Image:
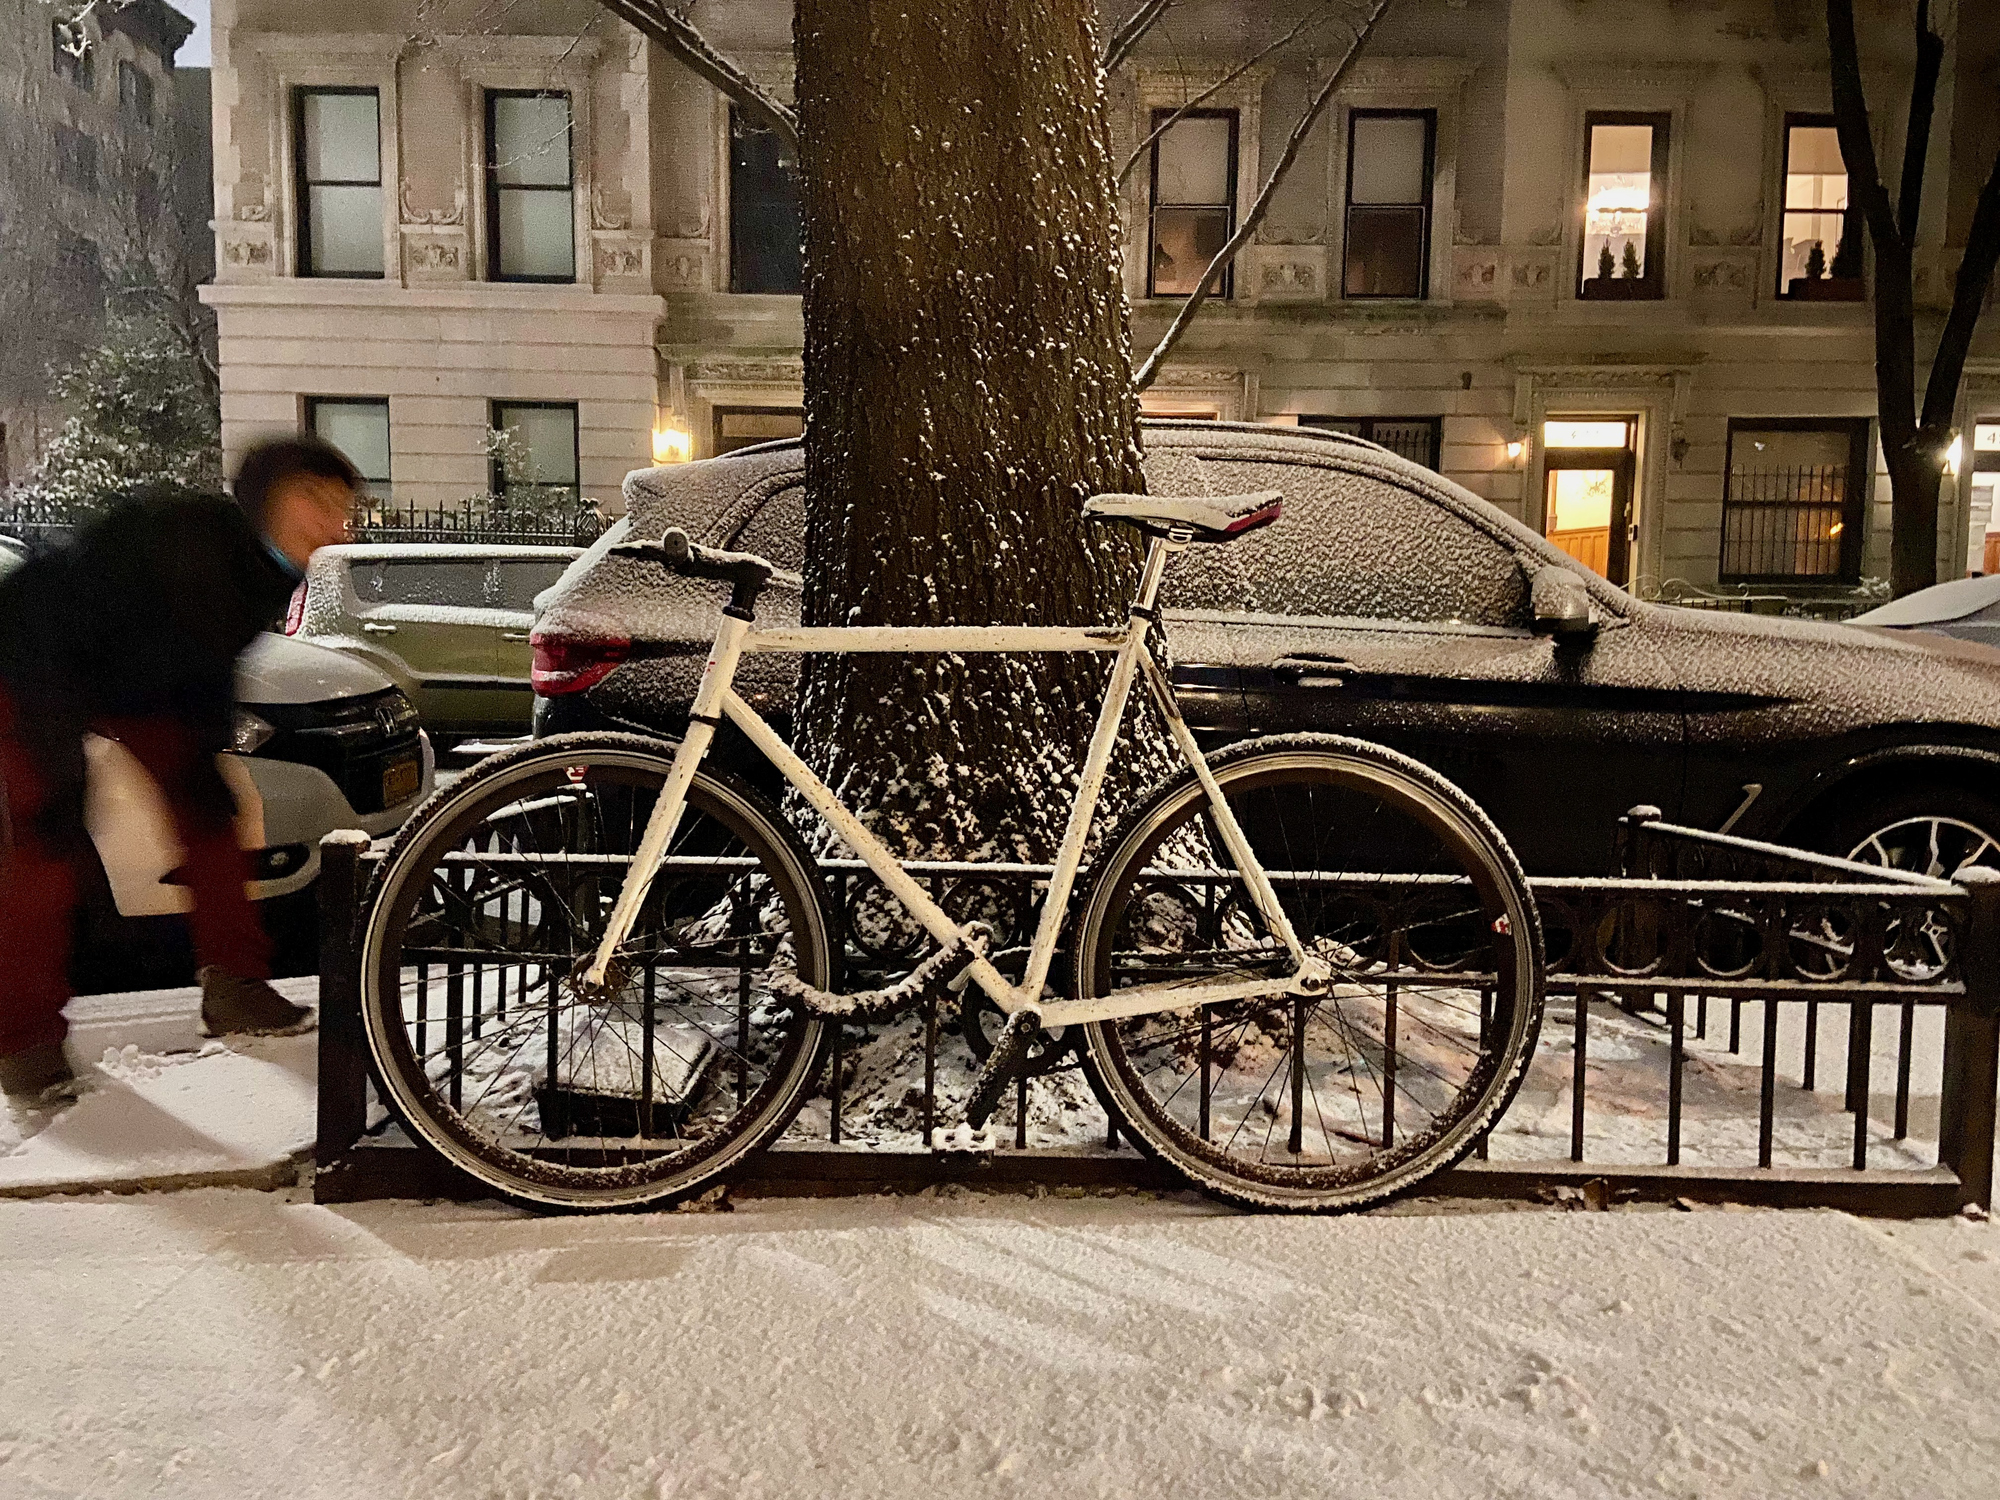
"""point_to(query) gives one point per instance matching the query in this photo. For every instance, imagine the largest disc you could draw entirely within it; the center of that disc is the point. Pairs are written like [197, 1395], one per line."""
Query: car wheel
[1927, 830]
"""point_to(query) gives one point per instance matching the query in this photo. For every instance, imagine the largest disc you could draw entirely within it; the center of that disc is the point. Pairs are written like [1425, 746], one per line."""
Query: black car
[1392, 604]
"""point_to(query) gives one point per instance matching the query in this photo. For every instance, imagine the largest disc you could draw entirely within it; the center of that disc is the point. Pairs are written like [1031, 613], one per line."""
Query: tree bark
[968, 384]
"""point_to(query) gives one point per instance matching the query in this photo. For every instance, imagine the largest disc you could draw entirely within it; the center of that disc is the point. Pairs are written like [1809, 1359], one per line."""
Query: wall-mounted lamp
[1515, 449]
[1955, 454]
[671, 446]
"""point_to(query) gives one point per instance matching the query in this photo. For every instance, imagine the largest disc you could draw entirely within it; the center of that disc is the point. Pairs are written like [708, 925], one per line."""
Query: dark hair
[281, 458]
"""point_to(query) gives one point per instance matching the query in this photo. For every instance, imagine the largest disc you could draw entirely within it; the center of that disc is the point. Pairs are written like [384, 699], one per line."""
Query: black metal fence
[495, 523]
[1694, 1005]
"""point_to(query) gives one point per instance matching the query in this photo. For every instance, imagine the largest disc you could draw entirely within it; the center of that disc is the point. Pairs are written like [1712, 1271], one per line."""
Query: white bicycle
[597, 974]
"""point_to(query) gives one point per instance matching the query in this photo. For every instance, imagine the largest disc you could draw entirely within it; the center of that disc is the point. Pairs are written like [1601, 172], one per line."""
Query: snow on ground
[163, 1104]
[221, 1343]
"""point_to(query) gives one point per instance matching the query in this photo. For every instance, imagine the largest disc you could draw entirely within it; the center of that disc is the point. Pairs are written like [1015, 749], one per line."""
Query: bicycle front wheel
[1393, 877]
[562, 1095]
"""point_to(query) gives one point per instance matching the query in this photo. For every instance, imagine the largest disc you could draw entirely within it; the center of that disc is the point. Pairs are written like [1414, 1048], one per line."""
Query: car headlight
[248, 733]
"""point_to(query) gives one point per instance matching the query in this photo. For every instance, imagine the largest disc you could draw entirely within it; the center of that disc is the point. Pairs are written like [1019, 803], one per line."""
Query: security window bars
[339, 143]
[1193, 201]
[1819, 251]
[1793, 510]
[359, 427]
[76, 159]
[1624, 218]
[135, 92]
[1414, 438]
[77, 68]
[538, 461]
[1389, 155]
[530, 187]
[763, 211]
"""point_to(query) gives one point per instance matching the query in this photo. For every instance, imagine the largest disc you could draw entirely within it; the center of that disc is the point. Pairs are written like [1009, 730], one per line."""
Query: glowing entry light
[671, 446]
[1515, 449]
[1954, 455]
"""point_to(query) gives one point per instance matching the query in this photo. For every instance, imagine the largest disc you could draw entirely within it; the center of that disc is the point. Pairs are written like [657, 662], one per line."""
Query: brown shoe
[37, 1075]
[248, 1007]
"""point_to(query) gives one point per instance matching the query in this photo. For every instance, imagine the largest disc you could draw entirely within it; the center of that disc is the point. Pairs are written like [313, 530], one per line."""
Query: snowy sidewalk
[227, 1344]
[164, 1106]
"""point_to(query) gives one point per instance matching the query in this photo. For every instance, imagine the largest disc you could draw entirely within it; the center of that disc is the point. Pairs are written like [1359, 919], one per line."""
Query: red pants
[42, 841]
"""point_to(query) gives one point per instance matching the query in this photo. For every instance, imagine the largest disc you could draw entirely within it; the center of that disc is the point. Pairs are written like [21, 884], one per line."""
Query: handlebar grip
[744, 572]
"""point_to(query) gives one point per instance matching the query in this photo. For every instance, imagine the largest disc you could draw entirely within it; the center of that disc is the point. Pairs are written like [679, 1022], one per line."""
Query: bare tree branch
[1150, 370]
[1975, 280]
[1923, 106]
[1126, 37]
[679, 37]
[1850, 113]
[1315, 19]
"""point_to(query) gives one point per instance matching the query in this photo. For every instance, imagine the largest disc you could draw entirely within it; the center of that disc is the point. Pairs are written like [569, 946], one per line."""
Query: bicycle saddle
[1212, 518]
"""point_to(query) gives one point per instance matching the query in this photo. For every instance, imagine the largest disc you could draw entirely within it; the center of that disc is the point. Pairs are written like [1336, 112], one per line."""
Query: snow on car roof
[1937, 604]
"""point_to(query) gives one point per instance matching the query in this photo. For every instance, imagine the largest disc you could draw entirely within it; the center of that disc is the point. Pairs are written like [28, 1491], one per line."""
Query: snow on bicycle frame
[1170, 523]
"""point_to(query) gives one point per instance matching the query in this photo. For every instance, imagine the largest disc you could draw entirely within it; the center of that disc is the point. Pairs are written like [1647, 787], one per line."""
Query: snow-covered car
[1968, 608]
[447, 623]
[1392, 604]
[321, 742]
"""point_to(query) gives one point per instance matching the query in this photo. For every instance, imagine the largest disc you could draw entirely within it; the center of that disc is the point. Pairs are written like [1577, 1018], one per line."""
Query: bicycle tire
[1290, 792]
[733, 850]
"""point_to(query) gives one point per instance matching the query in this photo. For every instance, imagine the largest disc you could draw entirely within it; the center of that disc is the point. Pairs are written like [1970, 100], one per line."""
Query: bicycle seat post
[1158, 550]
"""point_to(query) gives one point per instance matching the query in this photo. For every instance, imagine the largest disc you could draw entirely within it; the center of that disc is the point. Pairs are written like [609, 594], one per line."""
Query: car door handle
[1307, 673]
[375, 627]
[513, 635]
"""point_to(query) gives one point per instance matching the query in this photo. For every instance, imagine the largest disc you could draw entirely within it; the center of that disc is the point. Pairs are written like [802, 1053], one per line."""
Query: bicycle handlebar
[744, 572]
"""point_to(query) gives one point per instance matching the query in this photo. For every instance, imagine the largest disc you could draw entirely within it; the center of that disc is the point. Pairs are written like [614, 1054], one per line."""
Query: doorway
[1587, 500]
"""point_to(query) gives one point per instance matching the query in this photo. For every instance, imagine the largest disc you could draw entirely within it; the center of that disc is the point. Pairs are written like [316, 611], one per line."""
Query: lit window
[763, 210]
[1820, 249]
[530, 209]
[1388, 203]
[340, 182]
[1572, 433]
[1794, 503]
[741, 426]
[359, 427]
[536, 459]
[1624, 229]
[1194, 201]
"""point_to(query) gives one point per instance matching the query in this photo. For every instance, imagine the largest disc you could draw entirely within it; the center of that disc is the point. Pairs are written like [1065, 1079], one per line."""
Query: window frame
[732, 123]
[721, 411]
[494, 187]
[1326, 422]
[304, 184]
[314, 404]
[1652, 286]
[1854, 501]
[1428, 206]
[1225, 287]
[497, 478]
[1852, 289]
[140, 106]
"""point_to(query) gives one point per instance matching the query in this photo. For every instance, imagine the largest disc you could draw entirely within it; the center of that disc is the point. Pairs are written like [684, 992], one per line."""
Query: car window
[778, 531]
[1350, 545]
[421, 581]
[521, 581]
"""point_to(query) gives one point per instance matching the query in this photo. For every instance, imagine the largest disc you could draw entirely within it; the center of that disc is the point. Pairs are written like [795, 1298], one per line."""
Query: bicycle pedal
[962, 1140]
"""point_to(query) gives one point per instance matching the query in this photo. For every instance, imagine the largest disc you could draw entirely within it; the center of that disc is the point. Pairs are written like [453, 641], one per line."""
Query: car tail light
[295, 612]
[570, 664]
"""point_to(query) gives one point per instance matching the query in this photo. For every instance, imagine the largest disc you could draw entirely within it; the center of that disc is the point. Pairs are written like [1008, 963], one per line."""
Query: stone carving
[1699, 234]
[749, 371]
[1530, 275]
[414, 216]
[602, 217]
[433, 255]
[1476, 276]
[1295, 276]
[1721, 275]
[246, 252]
[1548, 234]
[620, 260]
[253, 213]
[683, 271]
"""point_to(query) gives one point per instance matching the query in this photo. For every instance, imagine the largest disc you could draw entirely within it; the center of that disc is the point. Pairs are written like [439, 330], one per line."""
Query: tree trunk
[967, 385]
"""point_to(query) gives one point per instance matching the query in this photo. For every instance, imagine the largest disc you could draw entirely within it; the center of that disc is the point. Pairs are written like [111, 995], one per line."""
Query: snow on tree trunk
[967, 385]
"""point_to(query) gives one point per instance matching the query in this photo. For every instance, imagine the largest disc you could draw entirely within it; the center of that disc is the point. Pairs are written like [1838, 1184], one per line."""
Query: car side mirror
[1561, 604]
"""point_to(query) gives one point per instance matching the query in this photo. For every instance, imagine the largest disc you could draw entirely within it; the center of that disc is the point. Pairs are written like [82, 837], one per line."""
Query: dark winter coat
[144, 613]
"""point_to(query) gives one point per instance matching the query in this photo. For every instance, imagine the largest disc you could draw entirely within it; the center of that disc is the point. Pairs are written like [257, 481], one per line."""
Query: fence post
[1972, 1044]
[343, 1053]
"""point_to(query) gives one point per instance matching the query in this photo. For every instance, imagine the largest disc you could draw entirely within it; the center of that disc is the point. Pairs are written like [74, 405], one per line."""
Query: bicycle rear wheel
[1389, 873]
[559, 1095]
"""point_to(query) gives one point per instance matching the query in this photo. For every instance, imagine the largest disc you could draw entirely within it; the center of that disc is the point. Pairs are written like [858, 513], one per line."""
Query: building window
[1414, 438]
[76, 159]
[1819, 250]
[135, 92]
[1984, 553]
[1624, 218]
[1389, 202]
[340, 182]
[1793, 509]
[1194, 200]
[530, 195]
[763, 211]
[534, 456]
[359, 427]
[740, 426]
[78, 67]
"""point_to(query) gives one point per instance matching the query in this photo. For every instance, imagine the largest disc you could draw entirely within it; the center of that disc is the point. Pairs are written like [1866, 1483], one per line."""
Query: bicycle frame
[716, 700]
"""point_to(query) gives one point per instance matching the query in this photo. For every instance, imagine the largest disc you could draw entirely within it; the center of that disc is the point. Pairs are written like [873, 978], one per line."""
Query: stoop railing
[1727, 1021]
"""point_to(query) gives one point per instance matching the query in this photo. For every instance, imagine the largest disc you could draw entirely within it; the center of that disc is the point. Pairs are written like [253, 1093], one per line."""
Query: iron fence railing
[43, 522]
[1785, 523]
[1697, 1004]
